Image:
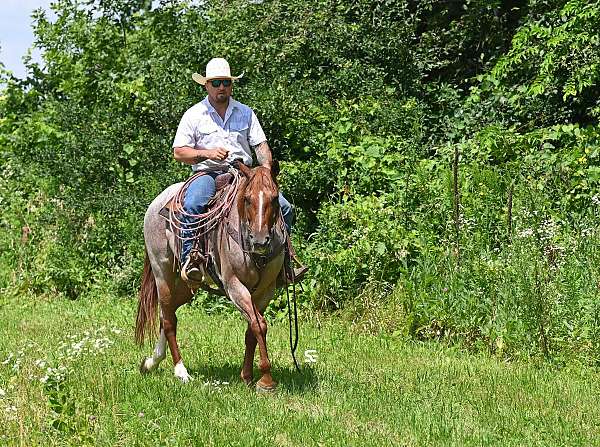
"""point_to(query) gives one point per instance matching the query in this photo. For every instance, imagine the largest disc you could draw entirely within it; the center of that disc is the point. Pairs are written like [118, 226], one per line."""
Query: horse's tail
[147, 305]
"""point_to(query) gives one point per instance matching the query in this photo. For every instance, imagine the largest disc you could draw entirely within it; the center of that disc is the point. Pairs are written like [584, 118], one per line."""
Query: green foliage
[551, 71]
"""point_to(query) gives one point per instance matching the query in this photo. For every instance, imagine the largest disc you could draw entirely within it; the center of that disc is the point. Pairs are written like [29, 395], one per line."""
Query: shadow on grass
[288, 379]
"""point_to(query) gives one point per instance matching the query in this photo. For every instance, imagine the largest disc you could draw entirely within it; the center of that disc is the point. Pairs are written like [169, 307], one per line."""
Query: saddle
[221, 181]
[200, 244]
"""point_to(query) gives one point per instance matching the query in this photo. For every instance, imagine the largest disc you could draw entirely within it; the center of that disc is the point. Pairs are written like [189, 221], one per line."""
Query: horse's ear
[275, 168]
[242, 167]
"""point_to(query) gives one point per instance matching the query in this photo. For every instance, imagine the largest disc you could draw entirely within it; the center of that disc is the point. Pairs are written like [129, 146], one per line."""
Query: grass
[363, 390]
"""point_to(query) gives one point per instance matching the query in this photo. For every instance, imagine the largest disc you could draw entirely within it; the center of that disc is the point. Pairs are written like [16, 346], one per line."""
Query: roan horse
[249, 284]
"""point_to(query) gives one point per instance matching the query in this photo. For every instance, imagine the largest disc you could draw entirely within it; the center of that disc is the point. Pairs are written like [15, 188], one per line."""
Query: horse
[246, 264]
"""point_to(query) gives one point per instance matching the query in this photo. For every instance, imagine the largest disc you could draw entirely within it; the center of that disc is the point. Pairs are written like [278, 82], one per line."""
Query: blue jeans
[199, 193]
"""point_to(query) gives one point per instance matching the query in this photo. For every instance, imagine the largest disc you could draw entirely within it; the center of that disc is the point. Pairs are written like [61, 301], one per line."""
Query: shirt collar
[233, 104]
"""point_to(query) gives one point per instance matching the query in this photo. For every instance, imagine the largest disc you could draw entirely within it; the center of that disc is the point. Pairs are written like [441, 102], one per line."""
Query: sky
[16, 34]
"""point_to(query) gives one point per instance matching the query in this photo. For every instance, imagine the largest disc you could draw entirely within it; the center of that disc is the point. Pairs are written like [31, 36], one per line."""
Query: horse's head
[258, 208]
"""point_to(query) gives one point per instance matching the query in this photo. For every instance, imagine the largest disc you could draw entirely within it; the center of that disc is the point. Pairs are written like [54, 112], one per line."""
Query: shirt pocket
[238, 132]
[206, 133]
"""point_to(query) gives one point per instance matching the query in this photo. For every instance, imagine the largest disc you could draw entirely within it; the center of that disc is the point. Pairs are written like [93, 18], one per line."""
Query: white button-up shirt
[201, 127]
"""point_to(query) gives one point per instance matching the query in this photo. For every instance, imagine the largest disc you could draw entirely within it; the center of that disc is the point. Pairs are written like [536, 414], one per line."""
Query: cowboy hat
[216, 68]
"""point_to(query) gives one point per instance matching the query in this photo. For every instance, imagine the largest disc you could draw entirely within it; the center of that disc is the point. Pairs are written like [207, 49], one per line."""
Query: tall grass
[485, 255]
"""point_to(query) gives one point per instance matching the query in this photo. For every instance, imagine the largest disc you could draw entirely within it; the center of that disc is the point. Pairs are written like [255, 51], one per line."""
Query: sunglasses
[217, 82]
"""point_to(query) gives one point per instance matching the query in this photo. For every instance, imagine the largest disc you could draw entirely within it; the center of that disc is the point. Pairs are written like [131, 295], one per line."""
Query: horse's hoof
[143, 368]
[262, 388]
[182, 374]
[185, 379]
[247, 380]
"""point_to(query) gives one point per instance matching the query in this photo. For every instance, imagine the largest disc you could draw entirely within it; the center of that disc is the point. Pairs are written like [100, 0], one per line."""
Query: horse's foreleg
[258, 325]
[248, 356]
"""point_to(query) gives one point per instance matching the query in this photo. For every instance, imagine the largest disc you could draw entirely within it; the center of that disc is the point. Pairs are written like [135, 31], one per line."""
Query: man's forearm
[263, 154]
[192, 156]
[187, 155]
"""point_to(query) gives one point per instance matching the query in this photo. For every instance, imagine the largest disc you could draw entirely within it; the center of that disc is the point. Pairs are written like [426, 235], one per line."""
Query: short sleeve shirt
[201, 127]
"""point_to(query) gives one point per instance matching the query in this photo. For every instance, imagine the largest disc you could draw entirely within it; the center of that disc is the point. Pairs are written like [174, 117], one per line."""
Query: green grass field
[363, 389]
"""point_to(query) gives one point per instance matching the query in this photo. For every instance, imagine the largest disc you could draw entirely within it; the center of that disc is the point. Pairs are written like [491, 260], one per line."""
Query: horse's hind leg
[158, 355]
[171, 297]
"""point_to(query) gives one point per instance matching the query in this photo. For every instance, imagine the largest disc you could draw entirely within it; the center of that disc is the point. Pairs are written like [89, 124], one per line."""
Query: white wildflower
[17, 364]
[40, 363]
[528, 232]
[11, 411]
[587, 232]
[402, 253]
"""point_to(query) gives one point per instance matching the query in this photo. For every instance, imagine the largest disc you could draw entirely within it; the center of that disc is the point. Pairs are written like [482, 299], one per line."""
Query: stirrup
[299, 274]
[191, 271]
[300, 271]
[284, 278]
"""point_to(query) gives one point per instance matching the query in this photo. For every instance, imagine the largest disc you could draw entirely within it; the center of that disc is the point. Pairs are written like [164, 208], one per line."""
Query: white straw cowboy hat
[216, 68]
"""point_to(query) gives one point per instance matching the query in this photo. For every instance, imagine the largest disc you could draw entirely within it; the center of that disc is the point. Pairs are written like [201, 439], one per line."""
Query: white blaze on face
[261, 204]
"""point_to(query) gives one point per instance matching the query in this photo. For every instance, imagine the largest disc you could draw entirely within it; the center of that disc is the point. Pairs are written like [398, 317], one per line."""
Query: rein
[289, 269]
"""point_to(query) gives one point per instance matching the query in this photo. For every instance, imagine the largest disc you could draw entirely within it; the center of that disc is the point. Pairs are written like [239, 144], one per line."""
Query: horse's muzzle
[261, 248]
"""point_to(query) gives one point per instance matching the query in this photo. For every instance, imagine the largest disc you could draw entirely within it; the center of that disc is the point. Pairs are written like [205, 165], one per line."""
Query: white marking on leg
[161, 347]
[181, 372]
[159, 354]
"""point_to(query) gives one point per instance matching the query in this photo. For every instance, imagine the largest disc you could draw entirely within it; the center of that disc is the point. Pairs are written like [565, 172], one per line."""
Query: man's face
[220, 93]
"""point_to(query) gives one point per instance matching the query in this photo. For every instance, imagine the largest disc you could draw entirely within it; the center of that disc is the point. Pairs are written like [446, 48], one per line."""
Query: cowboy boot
[290, 274]
[192, 269]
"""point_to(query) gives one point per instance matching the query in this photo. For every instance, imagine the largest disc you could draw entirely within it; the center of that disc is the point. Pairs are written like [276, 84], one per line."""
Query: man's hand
[218, 154]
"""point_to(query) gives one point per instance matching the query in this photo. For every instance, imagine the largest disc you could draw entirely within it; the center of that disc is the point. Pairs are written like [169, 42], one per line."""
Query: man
[211, 135]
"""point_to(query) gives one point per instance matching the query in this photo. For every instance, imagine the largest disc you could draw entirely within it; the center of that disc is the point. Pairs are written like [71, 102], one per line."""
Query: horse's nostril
[251, 236]
[267, 240]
